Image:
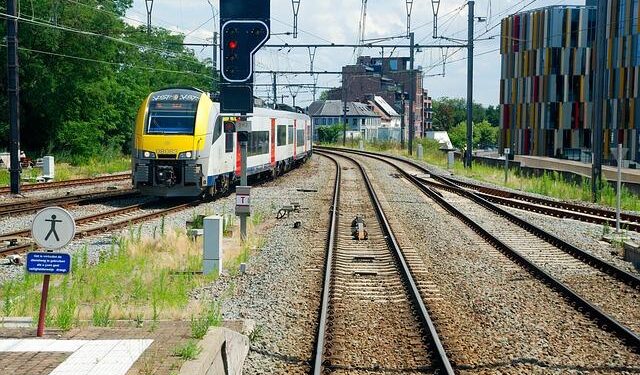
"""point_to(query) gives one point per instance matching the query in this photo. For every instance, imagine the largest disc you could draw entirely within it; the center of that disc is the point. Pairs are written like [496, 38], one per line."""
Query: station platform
[93, 351]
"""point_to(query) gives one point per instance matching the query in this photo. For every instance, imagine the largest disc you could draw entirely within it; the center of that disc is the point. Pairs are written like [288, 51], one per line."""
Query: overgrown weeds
[139, 278]
[190, 350]
[210, 317]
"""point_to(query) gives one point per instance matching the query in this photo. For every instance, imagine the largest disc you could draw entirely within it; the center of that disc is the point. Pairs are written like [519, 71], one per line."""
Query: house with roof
[362, 121]
[390, 119]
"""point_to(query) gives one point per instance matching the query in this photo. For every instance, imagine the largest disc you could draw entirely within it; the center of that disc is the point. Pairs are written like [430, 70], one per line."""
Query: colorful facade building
[546, 87]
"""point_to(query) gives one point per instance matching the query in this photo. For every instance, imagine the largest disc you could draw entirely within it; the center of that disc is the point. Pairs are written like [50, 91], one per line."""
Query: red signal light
[233, 44]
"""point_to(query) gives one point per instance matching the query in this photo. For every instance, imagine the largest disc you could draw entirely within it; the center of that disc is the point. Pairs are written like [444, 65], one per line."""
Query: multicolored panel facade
[623, 78]
[545, 86]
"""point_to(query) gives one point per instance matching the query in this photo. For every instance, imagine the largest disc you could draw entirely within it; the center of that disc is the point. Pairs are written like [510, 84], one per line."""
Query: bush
[330, 134]
[188, 351]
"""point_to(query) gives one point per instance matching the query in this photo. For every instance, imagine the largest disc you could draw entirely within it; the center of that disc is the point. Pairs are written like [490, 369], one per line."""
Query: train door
[273, 142]
[295, 138]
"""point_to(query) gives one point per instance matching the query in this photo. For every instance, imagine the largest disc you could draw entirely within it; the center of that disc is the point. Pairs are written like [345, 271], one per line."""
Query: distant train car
[181, 149]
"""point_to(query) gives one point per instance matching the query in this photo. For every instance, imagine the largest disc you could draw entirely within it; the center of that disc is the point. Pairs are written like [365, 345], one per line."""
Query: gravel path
[493, 317]
[281, 289]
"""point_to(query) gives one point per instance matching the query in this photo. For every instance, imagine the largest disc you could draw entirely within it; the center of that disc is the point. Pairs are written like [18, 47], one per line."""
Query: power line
[38, 22]
[127, 65]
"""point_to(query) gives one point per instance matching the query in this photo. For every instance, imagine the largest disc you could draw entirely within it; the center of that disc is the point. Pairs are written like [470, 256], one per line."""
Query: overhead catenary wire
[39, 22]
[120, 64]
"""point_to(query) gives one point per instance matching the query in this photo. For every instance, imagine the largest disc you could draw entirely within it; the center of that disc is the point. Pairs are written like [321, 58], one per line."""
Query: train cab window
[172, 117]
[228, 142]
[217, 130]
[282, 135]
[290, 138]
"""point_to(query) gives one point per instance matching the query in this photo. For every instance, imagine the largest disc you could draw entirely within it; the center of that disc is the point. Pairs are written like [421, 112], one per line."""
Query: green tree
[84, 73]
[484, 135]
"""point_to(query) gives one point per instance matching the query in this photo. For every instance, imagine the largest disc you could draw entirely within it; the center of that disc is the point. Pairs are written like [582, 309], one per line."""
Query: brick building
[387, 77]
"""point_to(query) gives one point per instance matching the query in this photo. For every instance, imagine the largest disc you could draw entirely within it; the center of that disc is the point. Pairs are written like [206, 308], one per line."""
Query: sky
[337, 21]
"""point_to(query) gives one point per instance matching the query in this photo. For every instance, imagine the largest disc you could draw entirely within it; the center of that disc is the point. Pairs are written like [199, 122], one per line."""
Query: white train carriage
[181, 149]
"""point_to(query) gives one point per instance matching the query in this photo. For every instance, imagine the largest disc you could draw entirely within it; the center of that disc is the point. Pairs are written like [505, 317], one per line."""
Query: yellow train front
[181, 150]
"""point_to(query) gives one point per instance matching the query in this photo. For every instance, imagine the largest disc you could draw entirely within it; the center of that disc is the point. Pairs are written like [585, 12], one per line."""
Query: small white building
[442, 137]
[362, 121]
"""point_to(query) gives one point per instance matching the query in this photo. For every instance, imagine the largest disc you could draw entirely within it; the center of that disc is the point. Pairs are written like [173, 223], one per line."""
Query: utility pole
[215, 60]
[596, 171]
[13, 91]
[149, 5]
[468, 155]
[412, 93]
[402, 119]
[275, 90]
[344, 114]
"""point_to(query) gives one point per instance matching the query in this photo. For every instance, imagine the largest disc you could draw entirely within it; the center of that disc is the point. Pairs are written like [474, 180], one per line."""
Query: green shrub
[101, 315]
[188, 351]
[211, 317]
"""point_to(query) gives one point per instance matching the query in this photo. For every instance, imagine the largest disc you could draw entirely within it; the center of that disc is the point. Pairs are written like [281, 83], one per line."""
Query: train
[183, 147]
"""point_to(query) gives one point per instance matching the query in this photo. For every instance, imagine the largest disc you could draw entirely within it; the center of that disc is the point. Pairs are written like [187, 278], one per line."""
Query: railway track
[33, 205]
[20, 242]
[526, 202]
[58, 184]
[596, 288]
[372, 315]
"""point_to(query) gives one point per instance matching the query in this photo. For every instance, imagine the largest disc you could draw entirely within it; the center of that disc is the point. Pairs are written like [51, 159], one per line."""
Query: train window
[258, 143]
[172, 118]
[217, 130]
[300, 138]
[228, 142]
[290, 138]
[282, 135]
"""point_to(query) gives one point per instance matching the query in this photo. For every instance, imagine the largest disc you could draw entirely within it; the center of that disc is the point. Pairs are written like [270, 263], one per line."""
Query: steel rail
[441, 358]
[580, 304]
[530, 203]
[608, 268]
[82, 181]
[101, 229]
[632, 220]
[328, 267]
[36, 204]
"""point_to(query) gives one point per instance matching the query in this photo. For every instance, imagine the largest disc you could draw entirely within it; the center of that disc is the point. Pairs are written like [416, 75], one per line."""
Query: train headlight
[185, 155]
[149, 155]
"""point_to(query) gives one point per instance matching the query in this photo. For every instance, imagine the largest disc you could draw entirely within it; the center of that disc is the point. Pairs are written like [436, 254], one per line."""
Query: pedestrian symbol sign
[53, 228]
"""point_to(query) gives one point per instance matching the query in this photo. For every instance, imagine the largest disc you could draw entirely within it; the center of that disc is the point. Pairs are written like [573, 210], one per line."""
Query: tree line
[450, 114]
[84, 72]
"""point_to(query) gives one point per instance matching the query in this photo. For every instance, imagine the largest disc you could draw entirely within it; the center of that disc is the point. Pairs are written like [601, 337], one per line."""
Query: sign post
[507, 152]
[243, 207]
[52, 229]
[618, 152]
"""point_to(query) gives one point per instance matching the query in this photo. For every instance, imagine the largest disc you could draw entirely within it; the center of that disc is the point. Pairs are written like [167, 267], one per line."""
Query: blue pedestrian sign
[48, 263]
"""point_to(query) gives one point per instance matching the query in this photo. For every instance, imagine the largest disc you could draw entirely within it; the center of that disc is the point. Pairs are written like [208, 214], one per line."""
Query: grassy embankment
[138, 279]
[67, 168]
[549, 184]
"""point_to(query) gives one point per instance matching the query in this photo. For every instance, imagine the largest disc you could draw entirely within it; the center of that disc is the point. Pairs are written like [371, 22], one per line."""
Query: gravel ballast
[493, 316]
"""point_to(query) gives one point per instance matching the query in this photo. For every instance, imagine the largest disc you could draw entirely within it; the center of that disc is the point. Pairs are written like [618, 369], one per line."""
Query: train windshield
[172, 118]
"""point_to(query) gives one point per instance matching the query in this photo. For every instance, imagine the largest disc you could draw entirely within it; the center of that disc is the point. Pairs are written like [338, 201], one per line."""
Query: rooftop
[333, 108]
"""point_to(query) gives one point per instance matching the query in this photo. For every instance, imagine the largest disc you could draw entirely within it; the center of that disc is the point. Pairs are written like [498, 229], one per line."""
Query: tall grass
[140, 279]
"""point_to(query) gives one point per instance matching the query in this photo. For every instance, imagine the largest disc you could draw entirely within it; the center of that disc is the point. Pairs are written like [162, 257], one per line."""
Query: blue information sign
[49, 263]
